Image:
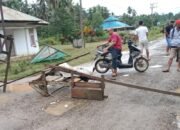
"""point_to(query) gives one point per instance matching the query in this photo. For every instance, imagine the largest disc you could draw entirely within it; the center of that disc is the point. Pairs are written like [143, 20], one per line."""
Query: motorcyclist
[114, 47]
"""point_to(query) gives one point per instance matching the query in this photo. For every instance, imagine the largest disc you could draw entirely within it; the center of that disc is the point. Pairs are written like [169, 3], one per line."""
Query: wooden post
[7, 66]
[2, 23]
[81, 23]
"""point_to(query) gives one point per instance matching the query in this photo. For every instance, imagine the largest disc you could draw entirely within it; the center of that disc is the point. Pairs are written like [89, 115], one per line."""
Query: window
[32, 38]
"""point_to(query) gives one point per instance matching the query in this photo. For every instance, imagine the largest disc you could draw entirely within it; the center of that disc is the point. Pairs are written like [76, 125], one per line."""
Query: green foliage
[49, 41]
[96, 15]
[177, 16]
[154, 33]
[97, 19]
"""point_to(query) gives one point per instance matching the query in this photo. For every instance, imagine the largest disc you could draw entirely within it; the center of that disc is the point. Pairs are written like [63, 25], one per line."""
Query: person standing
[142, 36]
[175, 46]
[114, 47]
[167, 34]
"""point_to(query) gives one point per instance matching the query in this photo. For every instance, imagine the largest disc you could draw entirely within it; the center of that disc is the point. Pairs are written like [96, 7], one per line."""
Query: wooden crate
[88, 90]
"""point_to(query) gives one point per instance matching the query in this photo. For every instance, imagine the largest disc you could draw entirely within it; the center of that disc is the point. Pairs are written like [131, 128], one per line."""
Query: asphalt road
[22, 108]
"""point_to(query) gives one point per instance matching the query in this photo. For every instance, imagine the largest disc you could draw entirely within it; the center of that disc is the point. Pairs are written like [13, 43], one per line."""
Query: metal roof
[113, 23]
[11, 15]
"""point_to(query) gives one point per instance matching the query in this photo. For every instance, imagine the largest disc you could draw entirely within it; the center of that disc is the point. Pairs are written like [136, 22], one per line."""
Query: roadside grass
[21, 67]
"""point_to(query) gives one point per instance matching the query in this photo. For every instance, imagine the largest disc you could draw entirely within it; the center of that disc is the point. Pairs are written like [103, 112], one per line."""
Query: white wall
[20, 42]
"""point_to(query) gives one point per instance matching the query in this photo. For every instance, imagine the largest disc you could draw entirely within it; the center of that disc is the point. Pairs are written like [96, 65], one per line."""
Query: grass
[21, 67]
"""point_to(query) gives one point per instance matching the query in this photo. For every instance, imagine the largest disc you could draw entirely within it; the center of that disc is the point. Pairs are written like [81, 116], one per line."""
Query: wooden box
[88, 90]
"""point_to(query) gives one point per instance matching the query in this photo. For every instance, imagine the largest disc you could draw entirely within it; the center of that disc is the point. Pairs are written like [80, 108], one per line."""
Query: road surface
[22, 108]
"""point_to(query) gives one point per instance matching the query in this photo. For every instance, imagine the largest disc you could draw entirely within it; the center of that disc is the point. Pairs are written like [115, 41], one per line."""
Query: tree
[129, 10]
[177, 16]
[97, 20]
[96, 15]
[130, 17]
[102, 10]
[18, 5]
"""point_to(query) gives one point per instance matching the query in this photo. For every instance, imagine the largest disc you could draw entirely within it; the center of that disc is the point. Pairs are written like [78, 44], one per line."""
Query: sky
[118, 7]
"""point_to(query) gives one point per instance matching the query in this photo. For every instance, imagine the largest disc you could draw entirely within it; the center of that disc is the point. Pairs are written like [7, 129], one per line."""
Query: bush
[49, 41]
[155, 33]
[92, 39]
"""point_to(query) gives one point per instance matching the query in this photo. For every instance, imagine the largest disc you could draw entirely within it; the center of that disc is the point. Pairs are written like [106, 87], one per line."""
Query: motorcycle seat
[125, 65]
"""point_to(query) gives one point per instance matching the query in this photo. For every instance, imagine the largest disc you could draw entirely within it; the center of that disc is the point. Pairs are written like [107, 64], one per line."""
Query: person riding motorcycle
[114, 47]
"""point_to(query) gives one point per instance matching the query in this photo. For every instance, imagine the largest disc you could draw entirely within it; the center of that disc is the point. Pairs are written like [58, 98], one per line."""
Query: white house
[22, 28]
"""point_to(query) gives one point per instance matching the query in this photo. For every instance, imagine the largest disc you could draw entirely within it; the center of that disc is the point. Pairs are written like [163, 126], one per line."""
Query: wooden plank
[87, 93]
[87, 85]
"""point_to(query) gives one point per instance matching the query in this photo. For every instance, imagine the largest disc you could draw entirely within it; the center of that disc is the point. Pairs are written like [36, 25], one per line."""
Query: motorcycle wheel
[141, 64]
[99, 65]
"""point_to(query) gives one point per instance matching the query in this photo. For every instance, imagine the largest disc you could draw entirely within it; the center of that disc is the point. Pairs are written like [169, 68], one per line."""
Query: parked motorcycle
[104, 60]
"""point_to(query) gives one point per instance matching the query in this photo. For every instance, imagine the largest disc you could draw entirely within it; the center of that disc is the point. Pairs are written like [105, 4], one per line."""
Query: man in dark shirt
[167, 33]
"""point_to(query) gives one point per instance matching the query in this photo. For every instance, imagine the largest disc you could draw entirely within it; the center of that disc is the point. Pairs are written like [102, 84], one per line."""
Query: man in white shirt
[142, 34]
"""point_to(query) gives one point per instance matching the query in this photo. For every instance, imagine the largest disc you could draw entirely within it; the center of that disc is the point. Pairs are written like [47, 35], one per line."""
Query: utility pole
[152, 7]
[81, 23]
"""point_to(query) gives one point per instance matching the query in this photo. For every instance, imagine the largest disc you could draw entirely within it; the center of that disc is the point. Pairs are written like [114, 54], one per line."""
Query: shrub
[155, 33]
[49, 41]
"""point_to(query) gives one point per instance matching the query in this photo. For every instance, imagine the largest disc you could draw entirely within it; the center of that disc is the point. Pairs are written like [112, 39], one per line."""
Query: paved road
[124, 109]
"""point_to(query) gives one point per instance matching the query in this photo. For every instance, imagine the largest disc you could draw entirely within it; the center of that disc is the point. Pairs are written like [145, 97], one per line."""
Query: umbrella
[113, 23]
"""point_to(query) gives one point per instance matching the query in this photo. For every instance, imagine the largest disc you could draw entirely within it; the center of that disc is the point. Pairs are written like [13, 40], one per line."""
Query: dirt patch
[177, 90]
[58, 108]
[4, 98]
[24, 87]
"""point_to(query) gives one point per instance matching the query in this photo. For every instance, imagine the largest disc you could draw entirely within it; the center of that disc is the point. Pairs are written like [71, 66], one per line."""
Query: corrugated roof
[113, 23]
[14, 15]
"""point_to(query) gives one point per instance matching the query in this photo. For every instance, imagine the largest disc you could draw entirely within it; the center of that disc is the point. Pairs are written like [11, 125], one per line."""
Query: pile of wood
[82, 85]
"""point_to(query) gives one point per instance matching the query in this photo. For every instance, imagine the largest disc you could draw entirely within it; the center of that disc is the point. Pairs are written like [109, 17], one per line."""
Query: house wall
[22, 41]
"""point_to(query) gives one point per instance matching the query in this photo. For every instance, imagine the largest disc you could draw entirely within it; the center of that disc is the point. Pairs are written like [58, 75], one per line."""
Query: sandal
[165, 70]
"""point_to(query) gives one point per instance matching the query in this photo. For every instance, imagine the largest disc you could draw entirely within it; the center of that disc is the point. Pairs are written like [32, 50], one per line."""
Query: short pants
[143, 44]
[175, 52]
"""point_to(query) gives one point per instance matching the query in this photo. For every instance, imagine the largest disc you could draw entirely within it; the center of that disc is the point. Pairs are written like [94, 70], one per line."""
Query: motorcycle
[103, 61]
